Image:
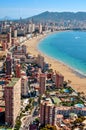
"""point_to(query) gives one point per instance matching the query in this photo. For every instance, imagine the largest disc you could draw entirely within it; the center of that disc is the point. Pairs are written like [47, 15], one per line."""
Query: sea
[68, 47]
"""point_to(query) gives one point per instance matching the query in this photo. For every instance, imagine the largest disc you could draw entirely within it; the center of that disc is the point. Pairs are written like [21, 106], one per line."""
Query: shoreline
[78, 80]
[77, 72]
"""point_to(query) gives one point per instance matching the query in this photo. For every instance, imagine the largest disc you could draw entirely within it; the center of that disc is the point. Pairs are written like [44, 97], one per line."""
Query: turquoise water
[68, 47]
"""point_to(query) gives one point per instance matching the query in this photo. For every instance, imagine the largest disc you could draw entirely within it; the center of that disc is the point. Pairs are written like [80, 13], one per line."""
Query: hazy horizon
[24, 9]
[12, 18]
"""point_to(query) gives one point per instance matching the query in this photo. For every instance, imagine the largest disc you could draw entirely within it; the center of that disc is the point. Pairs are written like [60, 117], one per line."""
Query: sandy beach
[78, 82]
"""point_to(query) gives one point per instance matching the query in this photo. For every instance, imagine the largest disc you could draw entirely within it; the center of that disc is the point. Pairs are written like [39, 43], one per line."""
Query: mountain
[58, 16]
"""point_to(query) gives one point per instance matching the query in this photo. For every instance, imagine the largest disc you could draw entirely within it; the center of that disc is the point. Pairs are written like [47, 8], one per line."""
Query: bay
[69, 47]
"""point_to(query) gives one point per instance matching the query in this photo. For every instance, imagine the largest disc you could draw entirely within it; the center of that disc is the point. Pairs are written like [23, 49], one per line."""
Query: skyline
[24, 9]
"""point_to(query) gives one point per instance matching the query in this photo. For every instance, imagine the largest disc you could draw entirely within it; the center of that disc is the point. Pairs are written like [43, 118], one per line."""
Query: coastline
[78, 81]
[77, 72]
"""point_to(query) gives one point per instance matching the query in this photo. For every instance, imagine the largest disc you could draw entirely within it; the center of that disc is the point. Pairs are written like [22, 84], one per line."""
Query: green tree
[49, 127]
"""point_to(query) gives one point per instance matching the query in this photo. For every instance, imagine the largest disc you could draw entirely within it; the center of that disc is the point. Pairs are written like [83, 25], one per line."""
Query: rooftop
[12, 82]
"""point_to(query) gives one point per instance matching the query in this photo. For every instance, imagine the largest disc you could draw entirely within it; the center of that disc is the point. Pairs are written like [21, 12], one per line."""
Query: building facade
[18, 70]
[24, 86]
[42, 82]
[58, 79]
[12, 101]
[48, 113]
[40, 61]
[8, 64]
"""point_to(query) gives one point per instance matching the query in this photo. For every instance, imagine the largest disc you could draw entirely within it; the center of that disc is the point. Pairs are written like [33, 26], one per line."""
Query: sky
[27, 8]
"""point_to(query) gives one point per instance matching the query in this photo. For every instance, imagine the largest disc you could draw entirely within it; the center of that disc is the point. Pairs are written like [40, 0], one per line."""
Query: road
[28, 120]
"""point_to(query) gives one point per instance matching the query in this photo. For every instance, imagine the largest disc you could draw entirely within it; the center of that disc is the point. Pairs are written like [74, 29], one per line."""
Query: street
[28, 120]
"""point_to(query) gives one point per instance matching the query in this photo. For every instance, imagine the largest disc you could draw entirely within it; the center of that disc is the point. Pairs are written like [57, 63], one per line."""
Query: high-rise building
[8, 64]
[48, 113]
[40, 28]
[31, 27]
[58, 79]
[24, 86]
[18, 70]
[12, 101]
[9, 38]
[40, 61]
[13, 41]
[15, 33]
[42, 82]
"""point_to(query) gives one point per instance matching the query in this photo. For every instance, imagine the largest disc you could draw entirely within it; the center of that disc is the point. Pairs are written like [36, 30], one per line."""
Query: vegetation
[5, 128]
[23, 66]
[18, 122]
[37, 120]
[71, 103]
[49, 127]
[30, 105]
[66, 104]
[79, 122]
[50, 70]
[58, 16]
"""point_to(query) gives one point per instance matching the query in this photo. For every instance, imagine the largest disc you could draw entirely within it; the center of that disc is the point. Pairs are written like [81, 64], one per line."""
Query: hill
[58, 17]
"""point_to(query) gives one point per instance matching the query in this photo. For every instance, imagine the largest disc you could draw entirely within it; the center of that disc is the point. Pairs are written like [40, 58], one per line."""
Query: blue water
[68, 47]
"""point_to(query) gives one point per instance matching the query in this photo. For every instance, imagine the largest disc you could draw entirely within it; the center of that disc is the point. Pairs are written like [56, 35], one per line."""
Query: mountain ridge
[58, 16]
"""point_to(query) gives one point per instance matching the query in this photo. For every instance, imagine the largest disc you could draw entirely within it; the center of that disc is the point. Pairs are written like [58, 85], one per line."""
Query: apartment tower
[12, 101]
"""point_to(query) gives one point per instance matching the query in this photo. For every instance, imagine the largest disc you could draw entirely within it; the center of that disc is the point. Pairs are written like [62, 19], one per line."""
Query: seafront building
[58, 79]
[31, 27]
[12, 96]
[40, 28]
[40, 61]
